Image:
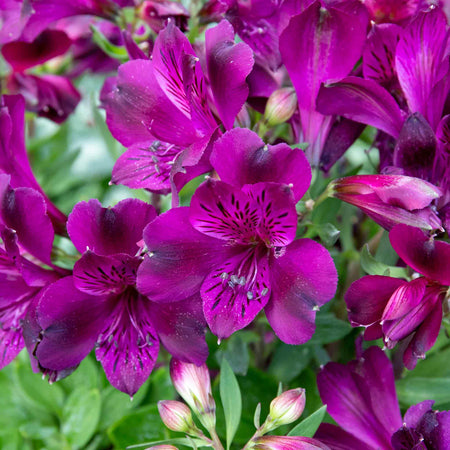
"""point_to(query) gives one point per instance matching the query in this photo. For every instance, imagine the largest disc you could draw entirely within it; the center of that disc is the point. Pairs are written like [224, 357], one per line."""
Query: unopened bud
[176, 416]
[280, 106]
[286, 442]
[162, 447]
[287, 407]
[194, 385]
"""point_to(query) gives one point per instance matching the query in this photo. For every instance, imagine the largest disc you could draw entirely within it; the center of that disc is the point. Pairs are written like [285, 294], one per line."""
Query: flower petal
[241, 157]
[137, 109]
[339, 439]
[180, 257]
[146, 165]
[228, 64]
[367, 298]
[107, 231]
[278, 224]
[24, 210]
[104, 275]
[363, 101]
[181, 327]
[128, 346]
[422, 253]
[302, 279]
[422, 62]
[235, 291]
[23, 55]
[70, 322]
[224, 212]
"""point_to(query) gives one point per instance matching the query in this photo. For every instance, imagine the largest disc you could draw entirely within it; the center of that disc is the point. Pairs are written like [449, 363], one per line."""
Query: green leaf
[110, 49]
[142, 425]
[328, 233]
[329, 329]
[288, 361]
[230, 395]
[236, 353]
[42, 395]
[257, 416]
[81, 415]
[309, 426]
[374, 267]
[415, 390]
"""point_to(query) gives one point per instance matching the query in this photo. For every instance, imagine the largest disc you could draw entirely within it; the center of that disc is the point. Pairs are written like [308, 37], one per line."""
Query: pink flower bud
[162, 447]
[287, 407]
[390, 199]
[287, 443]
[176, 416]
[194, 385]
[281, 106]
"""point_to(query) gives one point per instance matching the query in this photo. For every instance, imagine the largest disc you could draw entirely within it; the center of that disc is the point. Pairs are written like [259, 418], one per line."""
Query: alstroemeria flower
[99, 305]
[13, 154]
[236, 244]
[406, 81]
[360, 396]
[163, 111]
[321, 45]
[395, 309]
[287, 443]
[390, 199]
[25, 230]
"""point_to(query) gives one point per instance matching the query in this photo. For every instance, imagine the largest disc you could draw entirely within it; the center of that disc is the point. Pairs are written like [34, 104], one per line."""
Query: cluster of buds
[193, 384]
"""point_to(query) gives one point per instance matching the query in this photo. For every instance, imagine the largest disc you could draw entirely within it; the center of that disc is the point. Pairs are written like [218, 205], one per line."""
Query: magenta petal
[288, 443]
[394, 330]
[70, 322]
[379, 53]
[146, 165]
[328, 44]
[180, 257]
[416, 147]
[23, 55]
[235, 291]
[104, 275]
[425, 337]
[224, 212]
[228, 64]
[302, 279]
[241, 157]
[367, 298]
[422, 253]
[107, 231]
[171, 48]
[137, 108]
[421, 66]
[415, 413]
[338, 439]
[51, 96]
[128, 346]
[24, 210]
[181, 327]
[363, 101]
[405, 298]
[278, 224]
[361, 397]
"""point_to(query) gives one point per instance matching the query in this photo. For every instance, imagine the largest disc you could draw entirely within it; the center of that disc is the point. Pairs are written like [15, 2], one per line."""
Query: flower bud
[390, 199]
[287, 407]
[287, 443]
[162, 447]
[280, 106]
[194, 385]
[176, 416]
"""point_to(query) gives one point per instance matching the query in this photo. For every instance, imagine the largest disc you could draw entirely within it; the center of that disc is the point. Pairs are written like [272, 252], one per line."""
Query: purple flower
[360, 396]
[390, 199]
[27, 237]
[321, 45]
[162, 111]
[235, 244]
[13, 154]
[99, 305]
[399, 310]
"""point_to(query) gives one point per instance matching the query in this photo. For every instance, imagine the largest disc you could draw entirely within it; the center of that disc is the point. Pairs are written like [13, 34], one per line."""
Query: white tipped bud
[280, 106]
[194, 385]
[176, 416]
